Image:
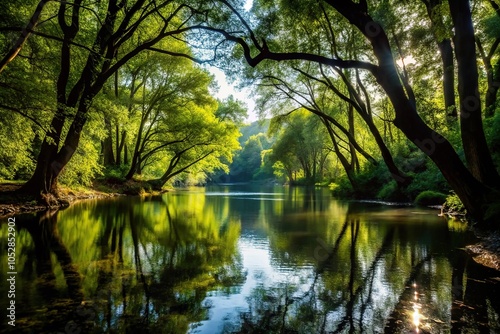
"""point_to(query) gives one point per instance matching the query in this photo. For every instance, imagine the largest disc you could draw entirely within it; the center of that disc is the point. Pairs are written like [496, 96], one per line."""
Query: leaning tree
[478, 183]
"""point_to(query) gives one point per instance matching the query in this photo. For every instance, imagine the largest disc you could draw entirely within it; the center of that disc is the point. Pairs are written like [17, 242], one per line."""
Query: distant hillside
[253, 128]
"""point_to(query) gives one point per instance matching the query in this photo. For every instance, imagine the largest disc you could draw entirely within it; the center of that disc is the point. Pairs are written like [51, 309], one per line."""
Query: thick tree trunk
[44, 179]
[446, 52]
[473, 139]
[472, 192]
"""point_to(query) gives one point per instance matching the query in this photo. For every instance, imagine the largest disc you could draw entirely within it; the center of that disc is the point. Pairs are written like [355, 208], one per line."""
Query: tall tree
[475, 187]
[473, 139]
[441, 32]
[123, 30]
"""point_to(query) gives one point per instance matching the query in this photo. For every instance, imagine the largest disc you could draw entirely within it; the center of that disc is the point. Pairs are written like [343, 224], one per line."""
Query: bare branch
[265, 53]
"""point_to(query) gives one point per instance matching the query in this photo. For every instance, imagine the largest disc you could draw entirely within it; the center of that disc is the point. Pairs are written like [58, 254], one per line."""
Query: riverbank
[487, 251]
[12, 203]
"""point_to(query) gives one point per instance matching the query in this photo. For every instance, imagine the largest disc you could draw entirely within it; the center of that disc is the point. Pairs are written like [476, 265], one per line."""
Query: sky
[226, 89]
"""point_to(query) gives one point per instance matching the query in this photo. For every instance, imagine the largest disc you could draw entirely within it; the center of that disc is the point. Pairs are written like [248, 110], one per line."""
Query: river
[245, 259]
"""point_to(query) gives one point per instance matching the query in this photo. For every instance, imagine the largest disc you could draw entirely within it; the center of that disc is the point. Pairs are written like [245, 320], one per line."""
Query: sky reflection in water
[244, 260]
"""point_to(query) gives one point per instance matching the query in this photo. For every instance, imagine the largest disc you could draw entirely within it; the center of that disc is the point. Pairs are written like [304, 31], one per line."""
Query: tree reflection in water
[365, 280]
[166, 264]
[43, 258]
[151, 266]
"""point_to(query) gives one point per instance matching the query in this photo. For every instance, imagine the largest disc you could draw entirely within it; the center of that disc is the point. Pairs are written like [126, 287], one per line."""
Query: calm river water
[241, 259]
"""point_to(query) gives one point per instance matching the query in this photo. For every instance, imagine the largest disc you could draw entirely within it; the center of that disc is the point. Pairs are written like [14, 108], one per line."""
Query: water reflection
[240, 260]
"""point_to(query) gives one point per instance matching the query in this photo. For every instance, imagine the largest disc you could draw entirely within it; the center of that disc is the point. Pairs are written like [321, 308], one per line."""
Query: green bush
[454, 204]
[115, 174]
[391, 192]
[430, 197]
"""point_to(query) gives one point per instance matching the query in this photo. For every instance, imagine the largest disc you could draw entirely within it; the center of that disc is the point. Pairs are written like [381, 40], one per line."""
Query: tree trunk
[472, 192]
[363, 110]
[446, 52]
[125, 154]
[107, 145]
[117, 145]
[473, 139]
[348, 168]
[25, 34]
[401, 178]
[354, 157]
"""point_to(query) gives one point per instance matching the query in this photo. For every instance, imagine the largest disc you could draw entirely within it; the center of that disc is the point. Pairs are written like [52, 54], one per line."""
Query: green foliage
[248, 161]
[252, 162]
[115, 174]
[454, 204]
[429, 197]
[301, 146]
[492, 129]
[388, 191]
[84, 166]
[255, 128]
[232, 110]
[16, 140]
[492, 26]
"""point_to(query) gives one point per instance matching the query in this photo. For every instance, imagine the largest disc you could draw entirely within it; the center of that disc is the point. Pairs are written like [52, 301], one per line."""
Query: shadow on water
[45, 262]
[283, 260]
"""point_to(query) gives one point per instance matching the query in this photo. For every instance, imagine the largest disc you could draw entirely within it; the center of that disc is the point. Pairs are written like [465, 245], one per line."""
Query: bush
[453, 204]
[115, 174]
[430, 197]
[391, 192]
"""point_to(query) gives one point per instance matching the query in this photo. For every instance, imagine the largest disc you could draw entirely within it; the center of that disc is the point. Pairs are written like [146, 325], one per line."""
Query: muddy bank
[11, 203]
[487, 251]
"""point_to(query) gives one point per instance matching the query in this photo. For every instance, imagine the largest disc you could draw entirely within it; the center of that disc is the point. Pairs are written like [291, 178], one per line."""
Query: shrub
[454, 204]
[430, 197]
[391, 192]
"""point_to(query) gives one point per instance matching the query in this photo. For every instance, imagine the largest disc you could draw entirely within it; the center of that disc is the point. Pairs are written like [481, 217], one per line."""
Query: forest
[390, 100]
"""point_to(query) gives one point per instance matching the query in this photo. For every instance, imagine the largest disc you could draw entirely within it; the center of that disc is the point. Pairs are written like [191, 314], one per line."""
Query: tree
[247, 161]
[232, 110]
[167, 87]
[300, 147]
[475, 187]
[123, 30]
[195, 137]
[442, 32]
